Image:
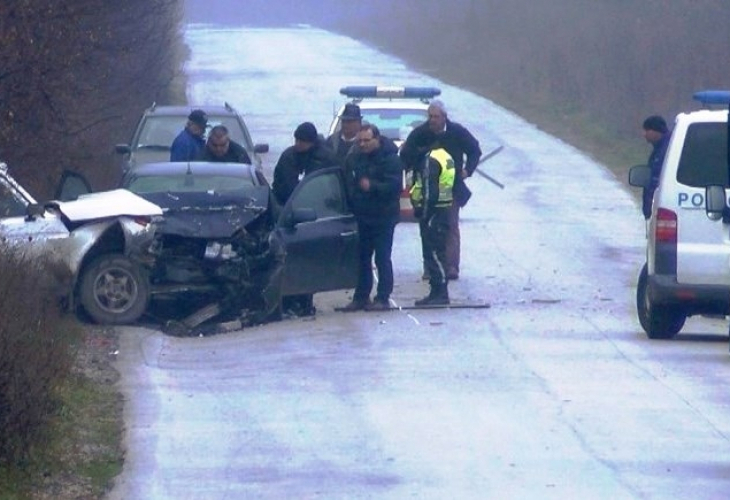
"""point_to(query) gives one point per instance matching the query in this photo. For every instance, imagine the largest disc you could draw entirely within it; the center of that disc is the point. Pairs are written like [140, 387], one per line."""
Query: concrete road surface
[553, 392]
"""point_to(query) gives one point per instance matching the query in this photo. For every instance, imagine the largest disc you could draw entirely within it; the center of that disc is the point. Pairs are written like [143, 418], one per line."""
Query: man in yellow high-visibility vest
[432, 198]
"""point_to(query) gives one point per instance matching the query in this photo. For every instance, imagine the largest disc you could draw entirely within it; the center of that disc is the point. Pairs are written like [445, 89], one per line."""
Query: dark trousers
[434, 235]
[453, 242]
[375, 239]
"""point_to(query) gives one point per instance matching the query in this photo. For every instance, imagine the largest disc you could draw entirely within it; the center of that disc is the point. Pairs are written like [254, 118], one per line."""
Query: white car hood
[107, 204]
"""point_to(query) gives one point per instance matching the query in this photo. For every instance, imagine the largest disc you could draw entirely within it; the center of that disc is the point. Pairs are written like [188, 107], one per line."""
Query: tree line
[74, 78]
[589, 71]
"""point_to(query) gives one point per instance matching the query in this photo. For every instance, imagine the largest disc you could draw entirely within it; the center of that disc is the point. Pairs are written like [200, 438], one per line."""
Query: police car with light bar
[395, 111]
[687, 270]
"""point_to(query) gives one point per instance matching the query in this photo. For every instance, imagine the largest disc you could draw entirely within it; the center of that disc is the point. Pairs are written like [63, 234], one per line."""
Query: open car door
[319, 235]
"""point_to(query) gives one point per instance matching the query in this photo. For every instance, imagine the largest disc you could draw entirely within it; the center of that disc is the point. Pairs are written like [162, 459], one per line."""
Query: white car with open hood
[100, 242]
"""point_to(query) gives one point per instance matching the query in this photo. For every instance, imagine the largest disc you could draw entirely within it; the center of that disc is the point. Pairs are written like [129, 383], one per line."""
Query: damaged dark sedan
[224, 241]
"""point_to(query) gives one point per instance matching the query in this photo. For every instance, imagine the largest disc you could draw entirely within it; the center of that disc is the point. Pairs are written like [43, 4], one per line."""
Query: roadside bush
[36, 354]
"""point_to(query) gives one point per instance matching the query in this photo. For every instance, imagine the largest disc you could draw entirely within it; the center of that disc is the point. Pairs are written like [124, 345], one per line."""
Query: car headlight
[218, 251]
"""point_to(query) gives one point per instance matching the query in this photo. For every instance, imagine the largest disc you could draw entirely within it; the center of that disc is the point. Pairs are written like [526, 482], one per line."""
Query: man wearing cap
[340, 142]
[657, 134]
[440, 132]
[221, 149]
[309, 153]
[191, 140]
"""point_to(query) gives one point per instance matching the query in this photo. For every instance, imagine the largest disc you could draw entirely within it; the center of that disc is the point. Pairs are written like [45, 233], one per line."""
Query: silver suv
[159, 125]
[687, 270]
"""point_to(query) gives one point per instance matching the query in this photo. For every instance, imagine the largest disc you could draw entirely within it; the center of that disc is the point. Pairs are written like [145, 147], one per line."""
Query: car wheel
[114, 290]
[659, 322]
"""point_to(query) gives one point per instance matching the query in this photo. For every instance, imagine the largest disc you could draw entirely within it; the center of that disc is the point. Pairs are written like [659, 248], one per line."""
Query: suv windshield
[704, 156]
[159, 131]
[194, 183]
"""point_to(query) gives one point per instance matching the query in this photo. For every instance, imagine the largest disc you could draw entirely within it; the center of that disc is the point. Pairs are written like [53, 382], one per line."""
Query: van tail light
[666, 226]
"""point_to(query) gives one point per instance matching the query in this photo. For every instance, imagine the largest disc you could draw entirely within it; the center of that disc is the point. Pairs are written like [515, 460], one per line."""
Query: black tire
[114, 290]
[659, 322]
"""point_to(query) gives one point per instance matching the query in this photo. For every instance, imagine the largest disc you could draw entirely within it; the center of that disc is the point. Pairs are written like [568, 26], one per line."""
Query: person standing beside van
[657, 134]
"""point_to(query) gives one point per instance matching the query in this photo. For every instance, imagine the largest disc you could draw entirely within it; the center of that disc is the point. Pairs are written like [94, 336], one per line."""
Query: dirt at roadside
[94, 362]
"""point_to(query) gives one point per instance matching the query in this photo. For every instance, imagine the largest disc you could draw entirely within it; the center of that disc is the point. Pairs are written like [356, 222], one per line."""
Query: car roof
[225, 109]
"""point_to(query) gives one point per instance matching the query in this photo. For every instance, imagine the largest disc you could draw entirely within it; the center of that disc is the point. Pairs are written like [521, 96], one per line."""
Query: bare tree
[75, 76]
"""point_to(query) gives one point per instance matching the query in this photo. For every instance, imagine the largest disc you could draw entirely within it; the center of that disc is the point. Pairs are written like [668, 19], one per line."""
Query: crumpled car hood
[209, 215]
[107, 204]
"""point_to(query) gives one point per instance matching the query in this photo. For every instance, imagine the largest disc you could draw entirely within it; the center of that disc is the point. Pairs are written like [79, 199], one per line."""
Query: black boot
[439, 295]
[426, 300]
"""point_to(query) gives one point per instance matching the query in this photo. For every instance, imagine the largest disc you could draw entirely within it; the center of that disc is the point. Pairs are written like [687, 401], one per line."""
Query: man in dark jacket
[657, 134]
[221, 149]
[373, 172]
[440, 132]
[342, 141]
[308, 154]
[190, 141]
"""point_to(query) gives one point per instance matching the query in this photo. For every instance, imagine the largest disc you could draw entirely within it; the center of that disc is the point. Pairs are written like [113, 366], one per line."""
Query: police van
[687, 269]
[395, 110]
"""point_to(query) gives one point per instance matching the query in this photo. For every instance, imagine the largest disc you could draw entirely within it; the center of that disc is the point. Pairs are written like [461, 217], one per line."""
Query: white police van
[687, 270]
[395, 110]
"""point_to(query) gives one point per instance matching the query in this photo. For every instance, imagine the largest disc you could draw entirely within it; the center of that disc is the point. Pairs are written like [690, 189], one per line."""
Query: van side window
[704, 159]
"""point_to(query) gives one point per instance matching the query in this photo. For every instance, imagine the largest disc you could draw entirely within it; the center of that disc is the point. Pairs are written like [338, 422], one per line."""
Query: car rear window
[704, 159]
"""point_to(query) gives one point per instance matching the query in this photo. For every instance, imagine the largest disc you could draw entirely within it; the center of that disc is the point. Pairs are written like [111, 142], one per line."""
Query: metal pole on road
[484, 158]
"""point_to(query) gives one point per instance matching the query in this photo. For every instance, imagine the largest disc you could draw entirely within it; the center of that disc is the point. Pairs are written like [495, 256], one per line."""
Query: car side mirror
[33, 211]
[122, 149]
[261, 148]
[299, 215]
[716, 203]
[640, 176]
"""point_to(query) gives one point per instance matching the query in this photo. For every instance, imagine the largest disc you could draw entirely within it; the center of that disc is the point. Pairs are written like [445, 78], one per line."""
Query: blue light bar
[362, 91]
[713, 97]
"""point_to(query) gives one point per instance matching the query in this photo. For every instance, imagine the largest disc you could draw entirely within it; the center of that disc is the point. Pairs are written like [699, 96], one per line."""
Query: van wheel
[659, 322]
[114, 290]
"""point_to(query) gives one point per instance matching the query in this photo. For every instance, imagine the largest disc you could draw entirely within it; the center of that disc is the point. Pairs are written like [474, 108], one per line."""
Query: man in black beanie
[657, 134]
[309, 153]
